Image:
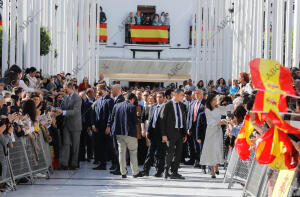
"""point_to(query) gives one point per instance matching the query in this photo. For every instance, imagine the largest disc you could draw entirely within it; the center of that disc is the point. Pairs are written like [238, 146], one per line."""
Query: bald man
[117, 96]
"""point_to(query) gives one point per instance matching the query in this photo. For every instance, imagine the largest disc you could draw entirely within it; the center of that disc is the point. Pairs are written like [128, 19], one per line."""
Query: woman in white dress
[212, 152]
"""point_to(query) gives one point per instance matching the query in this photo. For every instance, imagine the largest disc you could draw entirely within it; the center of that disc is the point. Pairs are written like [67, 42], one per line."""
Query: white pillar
[267, 29]
[274, 29]
[289, 36]
[280, 31]
[38, 11]
[13, 12]
[19, 61]
[205, 40]
[93, 41]
[5, 30]
[296, 43]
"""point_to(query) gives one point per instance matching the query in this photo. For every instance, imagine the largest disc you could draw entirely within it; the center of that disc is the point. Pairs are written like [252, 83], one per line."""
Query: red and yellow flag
[283, 125]
[271, 76]
[266, 101]
[140, 33]
[275, 149]
[242, 142]
[103, 32]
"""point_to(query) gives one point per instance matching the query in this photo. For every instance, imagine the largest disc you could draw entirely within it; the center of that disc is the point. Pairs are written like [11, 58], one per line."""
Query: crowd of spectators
[204, 122]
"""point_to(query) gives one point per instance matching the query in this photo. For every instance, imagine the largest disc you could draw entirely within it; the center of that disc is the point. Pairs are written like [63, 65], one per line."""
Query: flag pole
[281, 113]
[294, 96]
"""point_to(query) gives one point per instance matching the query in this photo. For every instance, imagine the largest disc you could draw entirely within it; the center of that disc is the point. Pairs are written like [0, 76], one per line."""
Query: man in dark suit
[102, 112]
[196, 125]
[72, 126]
[85, 139]
[116, 91]
[154, 135]
[173, 129]
[124, 120]
[188, 147]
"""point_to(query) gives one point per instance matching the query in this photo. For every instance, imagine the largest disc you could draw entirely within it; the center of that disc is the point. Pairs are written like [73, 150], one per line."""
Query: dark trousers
[115, 153]
[103, 147]
[157, 149]
[195, 144]
[175, 147]
[142, 150]
[190, 146]
[86, 144]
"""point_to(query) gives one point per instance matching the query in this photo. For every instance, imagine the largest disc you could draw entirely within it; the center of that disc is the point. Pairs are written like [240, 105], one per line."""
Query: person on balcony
[166, 20]
[102, 16]
[162, 18]
[156, 20]
[130, 19]
[147, 21]
[139, 18]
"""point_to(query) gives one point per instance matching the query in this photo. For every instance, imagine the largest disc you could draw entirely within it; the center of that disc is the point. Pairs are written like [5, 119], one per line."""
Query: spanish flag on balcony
[271, 76]
[103, 32]
[140, 33]
[242, 142]
[275, 149]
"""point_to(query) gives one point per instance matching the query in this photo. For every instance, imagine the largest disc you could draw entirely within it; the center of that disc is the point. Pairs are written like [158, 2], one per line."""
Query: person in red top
[84, 85]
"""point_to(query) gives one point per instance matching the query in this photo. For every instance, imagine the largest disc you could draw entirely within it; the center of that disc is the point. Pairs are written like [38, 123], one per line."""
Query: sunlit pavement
[88, 182]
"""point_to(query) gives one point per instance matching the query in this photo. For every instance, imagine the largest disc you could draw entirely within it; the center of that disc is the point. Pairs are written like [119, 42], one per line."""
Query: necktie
[155, 116]
[68, 100]
[195, 111]
[178, 116]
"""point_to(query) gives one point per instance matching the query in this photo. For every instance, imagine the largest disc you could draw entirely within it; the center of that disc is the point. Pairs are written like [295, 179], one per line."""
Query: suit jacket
[120, 98]
[102, 112]
[200, 120]
[87, 113]
[72, 118]
[168, 121]
[124, 119]
[154, 132]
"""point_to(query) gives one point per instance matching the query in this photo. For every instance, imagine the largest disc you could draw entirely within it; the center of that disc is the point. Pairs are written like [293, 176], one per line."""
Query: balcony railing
[140, 34]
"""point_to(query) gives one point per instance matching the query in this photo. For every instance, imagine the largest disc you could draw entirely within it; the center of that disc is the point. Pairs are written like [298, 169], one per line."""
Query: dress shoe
[196, 164]
[63, 167]
[116, 172]
[138, 175]
[96, 162]
[166, 174]
[213, 176]
[124, 176]
[217, 172]
[100, 167]
[204, 171]
[176, 176]
[158, 175]
[189, 162]
[145, 173]
[113, 167]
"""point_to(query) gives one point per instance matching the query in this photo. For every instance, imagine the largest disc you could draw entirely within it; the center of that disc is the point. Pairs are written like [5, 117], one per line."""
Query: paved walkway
[88, 183]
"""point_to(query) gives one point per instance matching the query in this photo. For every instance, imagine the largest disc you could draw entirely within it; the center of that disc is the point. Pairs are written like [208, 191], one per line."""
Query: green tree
[45, 41]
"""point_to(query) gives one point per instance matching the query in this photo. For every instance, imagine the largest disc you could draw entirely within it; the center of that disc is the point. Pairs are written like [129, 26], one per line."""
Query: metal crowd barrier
[27, 158]
[237, 170]
[257, 181]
